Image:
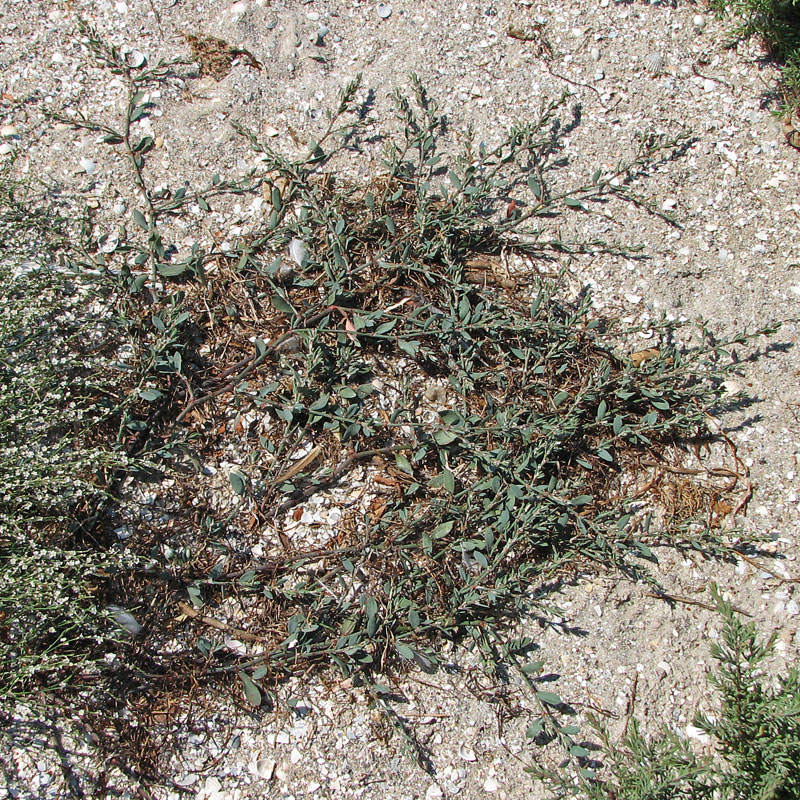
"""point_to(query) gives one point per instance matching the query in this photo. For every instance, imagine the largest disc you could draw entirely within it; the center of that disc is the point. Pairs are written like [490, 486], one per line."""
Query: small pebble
[698, 734]
[384, 10]
[6, 149]
[322, 32]
[698, 22]
[9, 131]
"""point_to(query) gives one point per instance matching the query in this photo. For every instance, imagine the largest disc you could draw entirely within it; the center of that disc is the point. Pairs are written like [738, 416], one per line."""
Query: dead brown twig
[220, 626]
[338, 472]
[241, 369]
[689, 601]
[759, 565]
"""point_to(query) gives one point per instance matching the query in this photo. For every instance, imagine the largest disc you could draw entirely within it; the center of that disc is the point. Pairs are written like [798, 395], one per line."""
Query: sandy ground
[630, 68]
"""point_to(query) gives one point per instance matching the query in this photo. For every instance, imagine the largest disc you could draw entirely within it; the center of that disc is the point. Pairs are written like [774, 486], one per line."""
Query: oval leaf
[237, 482]
[251, 692]
[534, 729]
[442, 437]
[172, 270]
[560, 399]
[282, 304]
[550, 698]
[406, 652]
[139, 219]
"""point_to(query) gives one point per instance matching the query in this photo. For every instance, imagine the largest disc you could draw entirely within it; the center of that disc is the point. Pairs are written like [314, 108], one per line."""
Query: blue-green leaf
[237, 482]
[442, 437]
[550, 698]
[282, 304]
[251, 692]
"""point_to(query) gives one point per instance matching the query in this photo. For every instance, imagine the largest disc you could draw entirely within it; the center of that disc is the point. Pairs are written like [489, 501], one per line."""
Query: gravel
[630, 68]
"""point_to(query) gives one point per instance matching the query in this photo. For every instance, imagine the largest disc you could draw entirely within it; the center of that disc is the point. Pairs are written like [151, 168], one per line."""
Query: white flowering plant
[54, 467]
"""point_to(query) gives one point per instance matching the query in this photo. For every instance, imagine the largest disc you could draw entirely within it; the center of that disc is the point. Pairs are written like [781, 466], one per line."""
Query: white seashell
[466, 753]
[108, 243]
[6, 149]
[235, 646]
[264, 768]
[270, 131]
[298, 252]
[698, 22]
[125, 619]
[490, 785]
[731, 387]
[135, 59]
[654, 63]
[384, 10]
[88, 166]
[9, 131]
